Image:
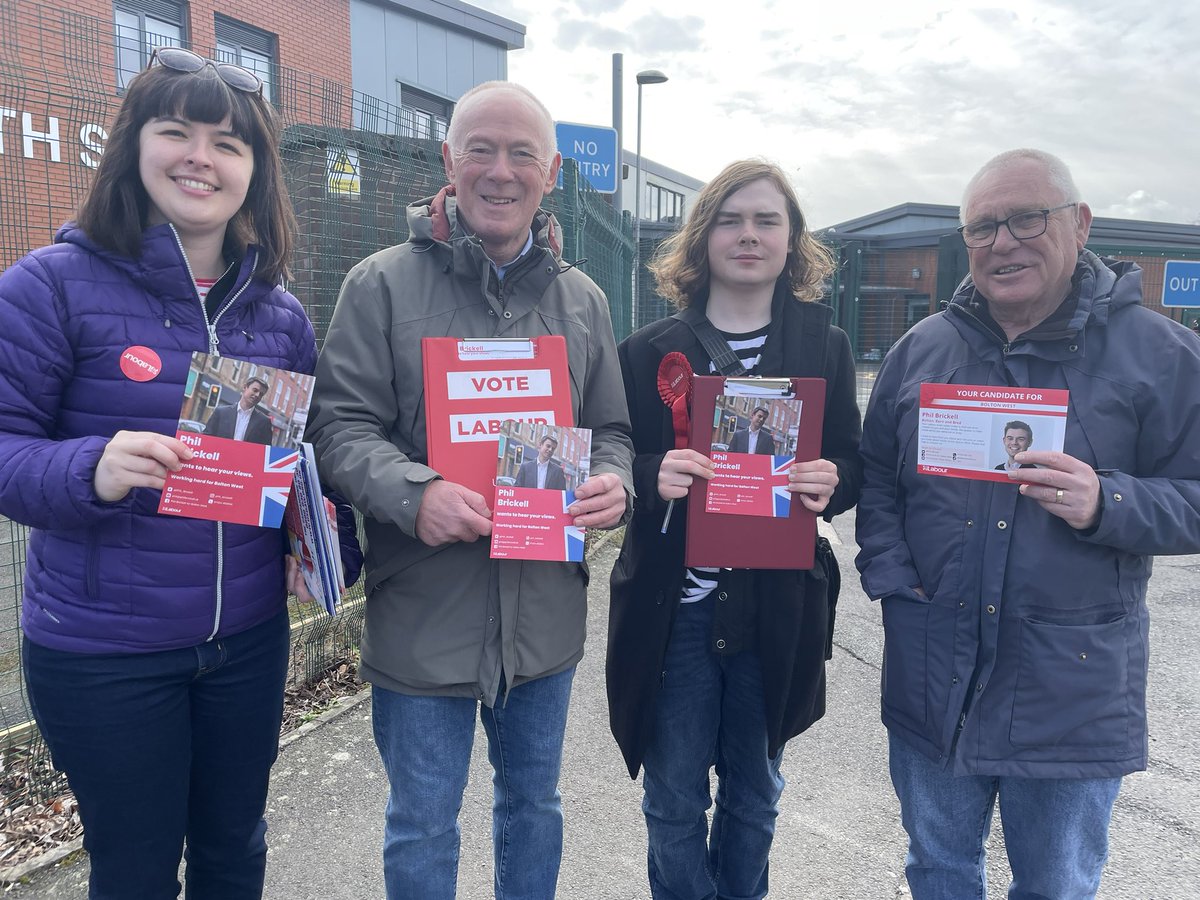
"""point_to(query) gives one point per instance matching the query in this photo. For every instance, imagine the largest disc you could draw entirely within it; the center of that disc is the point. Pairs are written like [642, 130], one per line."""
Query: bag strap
[723, 358]
[814, 337]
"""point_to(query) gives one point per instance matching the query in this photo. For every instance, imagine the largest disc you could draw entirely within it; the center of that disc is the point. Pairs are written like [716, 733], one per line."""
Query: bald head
[481, 94]
[1056, 174]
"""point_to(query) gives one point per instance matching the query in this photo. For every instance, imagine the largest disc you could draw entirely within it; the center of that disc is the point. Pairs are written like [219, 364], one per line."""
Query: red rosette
[675, 388]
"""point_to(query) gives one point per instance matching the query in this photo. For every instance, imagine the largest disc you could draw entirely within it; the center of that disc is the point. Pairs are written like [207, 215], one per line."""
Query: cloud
[1143, 205]
[576, 33]
[659, 33]
[994, 19]
[509, 9]
[903, 104]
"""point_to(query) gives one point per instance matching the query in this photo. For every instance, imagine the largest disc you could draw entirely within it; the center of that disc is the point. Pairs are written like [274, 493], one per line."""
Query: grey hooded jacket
[449, 620]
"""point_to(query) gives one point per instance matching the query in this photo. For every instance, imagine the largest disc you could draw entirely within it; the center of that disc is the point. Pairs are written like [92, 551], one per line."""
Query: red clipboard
[474, 384]
[753, 542]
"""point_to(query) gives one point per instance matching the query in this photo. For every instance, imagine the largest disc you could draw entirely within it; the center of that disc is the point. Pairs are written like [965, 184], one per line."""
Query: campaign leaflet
[975, 430]
[753, 446]
[313, 533]
[747, 484]
[537, 470]
[243, 422]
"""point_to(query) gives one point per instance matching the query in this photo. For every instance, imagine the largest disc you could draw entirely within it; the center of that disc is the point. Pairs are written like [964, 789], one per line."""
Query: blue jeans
[1055, 830]
[425, 744]
[710, 713]
[165, 747]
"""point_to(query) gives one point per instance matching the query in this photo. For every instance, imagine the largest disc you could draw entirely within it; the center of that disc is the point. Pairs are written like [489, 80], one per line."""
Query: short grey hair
[480, 93]
[1056, 171]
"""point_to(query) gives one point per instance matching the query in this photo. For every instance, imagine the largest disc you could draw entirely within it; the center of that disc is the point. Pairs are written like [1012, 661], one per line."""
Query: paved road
[838, 837]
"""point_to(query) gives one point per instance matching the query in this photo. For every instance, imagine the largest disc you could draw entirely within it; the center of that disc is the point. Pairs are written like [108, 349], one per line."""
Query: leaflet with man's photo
[753, 447]
[244, 423]
[538, 468]
[977, 430]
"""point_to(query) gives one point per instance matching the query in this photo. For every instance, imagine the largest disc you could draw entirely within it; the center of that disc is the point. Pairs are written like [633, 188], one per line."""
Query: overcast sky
[867, 103]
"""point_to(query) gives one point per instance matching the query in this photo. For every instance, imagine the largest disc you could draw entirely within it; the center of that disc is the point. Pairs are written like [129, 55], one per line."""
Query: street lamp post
[648, 76]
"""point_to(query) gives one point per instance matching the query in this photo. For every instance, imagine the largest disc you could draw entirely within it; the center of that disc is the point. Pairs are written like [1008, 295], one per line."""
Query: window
[248, 47]
[423, 115]
[662, 205]
[142, 25]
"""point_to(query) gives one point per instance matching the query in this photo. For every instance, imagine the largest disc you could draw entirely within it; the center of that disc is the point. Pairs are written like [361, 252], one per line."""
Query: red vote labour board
[472, 385]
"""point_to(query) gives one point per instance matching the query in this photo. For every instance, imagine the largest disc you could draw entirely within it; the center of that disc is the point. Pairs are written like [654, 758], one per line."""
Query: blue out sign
[594, 148]
[1181, 283]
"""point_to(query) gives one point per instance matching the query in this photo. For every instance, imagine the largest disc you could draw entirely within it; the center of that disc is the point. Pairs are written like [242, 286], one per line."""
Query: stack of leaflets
[313, 533]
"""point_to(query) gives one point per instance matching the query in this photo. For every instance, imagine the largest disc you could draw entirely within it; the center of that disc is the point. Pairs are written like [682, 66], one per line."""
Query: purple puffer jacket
[119, 578]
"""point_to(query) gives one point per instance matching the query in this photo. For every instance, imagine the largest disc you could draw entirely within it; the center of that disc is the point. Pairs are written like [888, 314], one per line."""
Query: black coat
[788, 613]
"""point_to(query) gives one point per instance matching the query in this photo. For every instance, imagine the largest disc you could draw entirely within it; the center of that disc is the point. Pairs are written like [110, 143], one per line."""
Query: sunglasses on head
[179, 60]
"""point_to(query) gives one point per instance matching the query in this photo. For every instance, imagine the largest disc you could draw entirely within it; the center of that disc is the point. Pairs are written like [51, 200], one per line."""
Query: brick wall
[313, 35]
[60, 73]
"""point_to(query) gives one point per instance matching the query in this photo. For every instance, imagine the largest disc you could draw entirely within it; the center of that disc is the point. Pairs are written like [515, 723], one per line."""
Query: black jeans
[167, 746]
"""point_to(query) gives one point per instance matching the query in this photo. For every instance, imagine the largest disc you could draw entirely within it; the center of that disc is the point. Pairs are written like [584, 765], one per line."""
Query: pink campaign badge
[140, 363]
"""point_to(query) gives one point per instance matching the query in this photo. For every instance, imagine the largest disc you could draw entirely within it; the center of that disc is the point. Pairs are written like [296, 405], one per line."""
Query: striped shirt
[203, 286]
[699, 581]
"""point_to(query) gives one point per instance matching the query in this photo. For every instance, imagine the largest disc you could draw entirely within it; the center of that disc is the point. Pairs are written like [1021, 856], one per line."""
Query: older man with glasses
[1014, 614]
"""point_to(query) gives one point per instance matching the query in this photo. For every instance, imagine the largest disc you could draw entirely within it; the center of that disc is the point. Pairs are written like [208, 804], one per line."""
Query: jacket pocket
[1072, 685]
[91, 570]
[905, 656]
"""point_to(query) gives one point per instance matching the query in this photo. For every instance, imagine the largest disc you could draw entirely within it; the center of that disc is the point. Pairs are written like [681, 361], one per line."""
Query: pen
[667, 517]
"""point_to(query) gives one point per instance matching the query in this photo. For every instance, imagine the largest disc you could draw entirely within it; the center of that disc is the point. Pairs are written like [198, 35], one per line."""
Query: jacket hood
[435, 220]
[1103, 284]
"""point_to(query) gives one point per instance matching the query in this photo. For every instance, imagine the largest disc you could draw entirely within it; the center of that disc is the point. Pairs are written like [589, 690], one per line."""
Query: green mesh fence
[881, 292]
[650, 305]
[350, 187]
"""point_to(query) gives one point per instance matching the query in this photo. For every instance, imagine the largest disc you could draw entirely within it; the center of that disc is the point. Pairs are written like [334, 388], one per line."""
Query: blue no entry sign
[594, 148]
[1181, 283]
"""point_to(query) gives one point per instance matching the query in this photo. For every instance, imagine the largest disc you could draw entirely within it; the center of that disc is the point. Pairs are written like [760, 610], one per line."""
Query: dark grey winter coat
[1028, 655]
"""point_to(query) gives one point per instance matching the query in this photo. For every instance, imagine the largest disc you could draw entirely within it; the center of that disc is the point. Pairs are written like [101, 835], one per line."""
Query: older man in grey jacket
[450, 632]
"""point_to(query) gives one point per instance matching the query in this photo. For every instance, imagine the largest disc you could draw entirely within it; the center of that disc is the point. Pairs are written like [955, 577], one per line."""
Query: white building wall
[663, 176]
[439, 47]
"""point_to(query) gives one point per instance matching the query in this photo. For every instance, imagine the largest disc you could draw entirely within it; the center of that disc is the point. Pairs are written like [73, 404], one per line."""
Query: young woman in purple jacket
[155, 647]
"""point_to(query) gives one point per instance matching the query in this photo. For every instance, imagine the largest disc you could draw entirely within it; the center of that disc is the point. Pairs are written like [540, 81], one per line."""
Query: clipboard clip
[757, 386]
[496, 348]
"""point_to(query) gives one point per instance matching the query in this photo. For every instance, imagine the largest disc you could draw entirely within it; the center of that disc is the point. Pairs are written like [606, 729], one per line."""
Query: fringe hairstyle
[680, 267]
[114, 212]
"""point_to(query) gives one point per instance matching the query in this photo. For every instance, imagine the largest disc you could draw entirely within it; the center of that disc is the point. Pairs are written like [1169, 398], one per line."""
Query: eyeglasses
[179, 60]
[1023, 226]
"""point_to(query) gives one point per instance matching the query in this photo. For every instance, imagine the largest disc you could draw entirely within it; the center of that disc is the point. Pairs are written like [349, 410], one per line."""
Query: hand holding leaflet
[241, 434]
[536, 512]
[725, 528]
